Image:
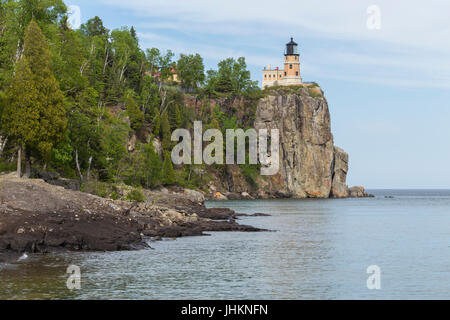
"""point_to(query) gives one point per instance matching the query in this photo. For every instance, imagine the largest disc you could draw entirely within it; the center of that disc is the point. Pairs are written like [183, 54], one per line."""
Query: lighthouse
[292, 64]
[291, 73]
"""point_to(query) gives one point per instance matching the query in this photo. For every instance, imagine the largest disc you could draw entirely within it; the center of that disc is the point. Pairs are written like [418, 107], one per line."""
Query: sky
[384, 67]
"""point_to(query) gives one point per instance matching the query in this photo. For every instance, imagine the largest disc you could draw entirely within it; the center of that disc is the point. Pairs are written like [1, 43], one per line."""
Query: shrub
[250, 173]
[314, 93]
[8, 167]
[136, 195]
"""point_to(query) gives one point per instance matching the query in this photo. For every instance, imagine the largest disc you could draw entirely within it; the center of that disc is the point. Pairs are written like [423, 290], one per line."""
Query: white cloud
[411, 22]
[413, 40]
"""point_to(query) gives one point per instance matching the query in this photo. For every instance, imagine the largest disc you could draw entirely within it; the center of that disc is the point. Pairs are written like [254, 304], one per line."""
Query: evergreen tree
[165, 131]
[153, 166]
[20, 116]
[156, 126]
[135, 114]
[178, 119]
[168, 173]
[34, 112]
[133, 33]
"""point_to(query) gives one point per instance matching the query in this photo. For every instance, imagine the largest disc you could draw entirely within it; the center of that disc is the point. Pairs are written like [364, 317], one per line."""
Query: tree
[18, 16]
[149, 97]
[70, 60]
[165, 66]
[152, 57]
[135, 114]
[34, 113]
[211, 82]
[125, 65]
[153, 166]
[94, 27]
[165, 131]
[191, 71]
[168, 173]
[156, 123]
[133, 33]
[85, 132]
[20, 117]
[231, 77]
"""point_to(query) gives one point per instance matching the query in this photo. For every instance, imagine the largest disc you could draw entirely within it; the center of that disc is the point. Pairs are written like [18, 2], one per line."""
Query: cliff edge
[311, 166]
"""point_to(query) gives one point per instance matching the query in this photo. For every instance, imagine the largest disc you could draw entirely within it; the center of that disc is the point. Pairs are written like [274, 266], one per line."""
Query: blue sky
[388, 89]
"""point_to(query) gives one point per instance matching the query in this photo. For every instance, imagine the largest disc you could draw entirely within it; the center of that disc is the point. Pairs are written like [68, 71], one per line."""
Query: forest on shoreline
[71, 99]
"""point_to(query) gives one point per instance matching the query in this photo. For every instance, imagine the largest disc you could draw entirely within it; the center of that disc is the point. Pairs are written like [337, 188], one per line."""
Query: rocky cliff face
[310, 165]
[308, 157]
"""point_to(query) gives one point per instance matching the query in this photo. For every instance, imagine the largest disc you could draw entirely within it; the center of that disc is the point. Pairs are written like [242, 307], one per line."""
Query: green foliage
[232, 77]
[136, 195]
[250, 173]
[165, 65]
[98, 188]
[7, 167]
[63, 153]
[135, 114]
[94, 27]
[166, 132]
[168, 172]
[191, 71]
[34, 114]
[314, 93]
[152, 167]
[156, 124]
[63, 93]
[149, 96]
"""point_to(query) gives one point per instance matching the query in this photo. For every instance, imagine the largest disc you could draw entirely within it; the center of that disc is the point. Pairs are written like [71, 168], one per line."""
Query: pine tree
[165, 131]
[153, 166]
[34, 113]
[135, 114]
[20, 115]
[168, 173]
[178, 119]
[156, 126]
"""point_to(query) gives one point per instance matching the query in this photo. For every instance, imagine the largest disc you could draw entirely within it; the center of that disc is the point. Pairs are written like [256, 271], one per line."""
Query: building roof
[292, 42]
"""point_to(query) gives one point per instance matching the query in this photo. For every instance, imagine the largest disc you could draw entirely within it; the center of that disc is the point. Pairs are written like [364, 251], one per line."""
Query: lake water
[321, 250]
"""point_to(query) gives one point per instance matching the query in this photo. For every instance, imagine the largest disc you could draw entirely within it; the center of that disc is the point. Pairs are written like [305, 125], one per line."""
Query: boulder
[339, 188]
[131, 145]
[194, 196]
[358, 192]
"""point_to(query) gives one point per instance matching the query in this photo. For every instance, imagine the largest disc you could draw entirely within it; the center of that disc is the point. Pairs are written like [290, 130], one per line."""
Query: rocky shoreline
[37, 217]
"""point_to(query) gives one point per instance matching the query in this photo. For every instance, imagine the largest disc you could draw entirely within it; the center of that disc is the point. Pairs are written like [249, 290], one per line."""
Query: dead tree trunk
[19, 162]
[88, 174]
[78, 164]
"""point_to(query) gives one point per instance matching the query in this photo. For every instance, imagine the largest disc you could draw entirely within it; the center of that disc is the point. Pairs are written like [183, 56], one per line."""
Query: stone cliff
[310, 165]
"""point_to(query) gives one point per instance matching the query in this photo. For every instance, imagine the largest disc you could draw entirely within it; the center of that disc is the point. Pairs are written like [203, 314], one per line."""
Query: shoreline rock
[359, 192]
[37, 217]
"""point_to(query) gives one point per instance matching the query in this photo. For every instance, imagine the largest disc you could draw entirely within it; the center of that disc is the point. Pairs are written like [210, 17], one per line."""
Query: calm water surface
[321, 250]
